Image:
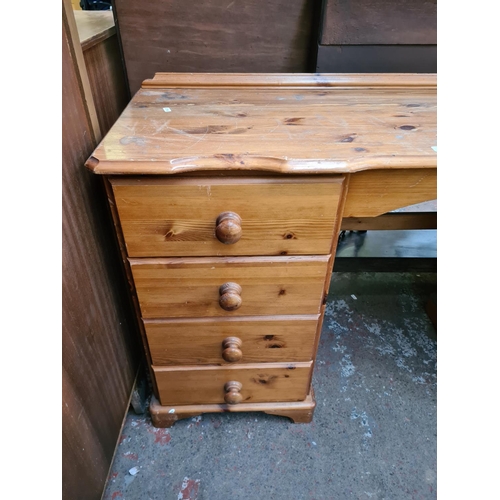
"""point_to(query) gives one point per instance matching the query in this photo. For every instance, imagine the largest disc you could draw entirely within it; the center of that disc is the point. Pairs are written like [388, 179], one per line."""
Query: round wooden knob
[233, 395]
[232, 351]
[228, 230]
[230, 296]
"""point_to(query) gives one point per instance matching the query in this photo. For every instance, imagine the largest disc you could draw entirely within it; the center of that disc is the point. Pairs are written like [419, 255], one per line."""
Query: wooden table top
[94, 26]
[284, 123]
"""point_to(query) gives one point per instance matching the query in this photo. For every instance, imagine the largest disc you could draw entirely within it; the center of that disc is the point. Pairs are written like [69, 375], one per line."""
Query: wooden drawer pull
[230, 296]
[233, 395]
[232, 351]
[228, 230]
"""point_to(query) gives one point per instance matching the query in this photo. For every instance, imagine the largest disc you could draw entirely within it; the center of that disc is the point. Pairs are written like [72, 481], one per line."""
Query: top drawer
[227, 216]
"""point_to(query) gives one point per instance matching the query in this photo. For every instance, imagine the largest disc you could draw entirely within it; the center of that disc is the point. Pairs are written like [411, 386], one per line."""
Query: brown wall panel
[100, 355]
[214, 36]
[379, 22]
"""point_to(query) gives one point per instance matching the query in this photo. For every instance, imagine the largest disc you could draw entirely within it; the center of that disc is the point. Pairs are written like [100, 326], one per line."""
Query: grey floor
[373, 435]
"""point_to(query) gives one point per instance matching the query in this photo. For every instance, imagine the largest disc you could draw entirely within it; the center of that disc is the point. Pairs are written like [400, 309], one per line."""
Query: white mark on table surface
[132, 140]
[434, 148]
[419, 181]
[278, 124]
[167, 110]
[202, 138]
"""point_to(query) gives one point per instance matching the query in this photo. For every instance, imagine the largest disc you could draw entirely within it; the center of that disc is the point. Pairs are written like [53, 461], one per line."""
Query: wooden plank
[99, 353]
[107, 81]
[391, 221]
[285, 130]
[132, 293]
[329, 269]
[214, 36]
[76, 54]
[298, 411]
[201, 341]
[385, 265]
[276, 216]
[375, 192]
[269, 382]
[190, 287]
[379, 22]
[94, 26]
[283, 80]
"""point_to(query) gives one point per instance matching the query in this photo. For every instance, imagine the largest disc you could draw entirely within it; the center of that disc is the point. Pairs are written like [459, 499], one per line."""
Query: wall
[100, 351]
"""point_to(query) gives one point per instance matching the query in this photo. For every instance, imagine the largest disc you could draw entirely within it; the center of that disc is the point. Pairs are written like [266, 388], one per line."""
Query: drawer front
[255, 383]
[267, 216]
[232, 340]
[263, 286]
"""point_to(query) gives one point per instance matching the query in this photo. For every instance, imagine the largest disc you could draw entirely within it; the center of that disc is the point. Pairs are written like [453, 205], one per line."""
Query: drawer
[231, 340]
[225, 286]
[255, 383]
[245, 216]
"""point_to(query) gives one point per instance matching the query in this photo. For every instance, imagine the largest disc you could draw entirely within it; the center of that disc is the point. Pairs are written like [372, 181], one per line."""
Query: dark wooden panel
[107, 80]
[98, 341]
[214, 36]
[391, 221]
[385, 265]
[379, 22]
[376, 59]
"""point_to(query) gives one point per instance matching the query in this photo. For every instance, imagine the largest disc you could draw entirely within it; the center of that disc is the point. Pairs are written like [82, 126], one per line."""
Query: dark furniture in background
[329, 36]
[213, 36]
[378, 36]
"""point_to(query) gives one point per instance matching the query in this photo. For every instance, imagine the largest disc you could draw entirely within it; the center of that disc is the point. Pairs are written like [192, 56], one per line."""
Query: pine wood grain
[199, 341]
[260, 383]
[286, 80]
[297, 411]
[373, 193]
[189, 287]
[323, 125]
[177, 217]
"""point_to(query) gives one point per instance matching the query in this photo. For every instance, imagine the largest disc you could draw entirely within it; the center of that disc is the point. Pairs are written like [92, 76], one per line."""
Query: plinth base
[300, 412]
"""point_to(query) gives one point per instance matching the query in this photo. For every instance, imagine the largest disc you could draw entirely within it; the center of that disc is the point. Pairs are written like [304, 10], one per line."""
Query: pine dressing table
[228, 192]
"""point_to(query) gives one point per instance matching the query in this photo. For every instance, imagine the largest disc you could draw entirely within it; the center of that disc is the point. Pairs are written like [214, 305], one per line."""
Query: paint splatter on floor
[189, 489]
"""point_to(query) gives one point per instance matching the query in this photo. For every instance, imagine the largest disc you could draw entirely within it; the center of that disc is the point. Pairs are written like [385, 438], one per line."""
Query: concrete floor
[373, 434]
